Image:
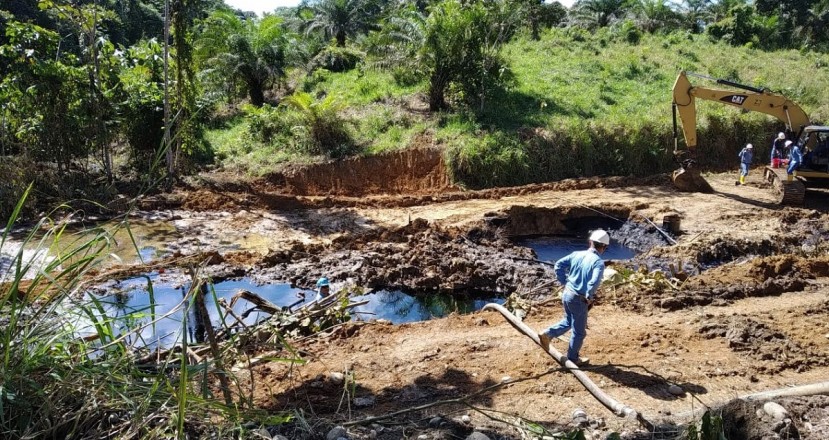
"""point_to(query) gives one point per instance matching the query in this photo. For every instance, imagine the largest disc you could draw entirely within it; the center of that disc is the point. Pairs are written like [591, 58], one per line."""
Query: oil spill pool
[132, 304]
[399, 307]
[550, 248]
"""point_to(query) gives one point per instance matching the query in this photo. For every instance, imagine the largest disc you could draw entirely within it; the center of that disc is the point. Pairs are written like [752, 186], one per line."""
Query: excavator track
[790, 193]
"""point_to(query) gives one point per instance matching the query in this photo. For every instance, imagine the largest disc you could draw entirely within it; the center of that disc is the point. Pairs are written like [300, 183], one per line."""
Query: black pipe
[739, 86]
[676, 132]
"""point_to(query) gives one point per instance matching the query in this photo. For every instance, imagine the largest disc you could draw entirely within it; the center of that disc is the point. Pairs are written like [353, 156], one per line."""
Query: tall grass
[56, 382]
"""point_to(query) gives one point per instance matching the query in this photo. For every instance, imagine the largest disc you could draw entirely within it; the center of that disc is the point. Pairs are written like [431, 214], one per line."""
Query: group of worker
[781, 148]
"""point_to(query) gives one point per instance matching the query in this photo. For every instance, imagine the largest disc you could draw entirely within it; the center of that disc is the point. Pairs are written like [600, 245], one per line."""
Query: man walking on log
[580, 273]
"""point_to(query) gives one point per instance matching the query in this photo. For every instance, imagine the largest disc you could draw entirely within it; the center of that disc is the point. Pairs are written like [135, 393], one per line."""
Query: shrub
[336, 59]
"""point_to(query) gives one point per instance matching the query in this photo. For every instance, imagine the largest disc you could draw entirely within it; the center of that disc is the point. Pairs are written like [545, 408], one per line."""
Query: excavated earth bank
[739, 304]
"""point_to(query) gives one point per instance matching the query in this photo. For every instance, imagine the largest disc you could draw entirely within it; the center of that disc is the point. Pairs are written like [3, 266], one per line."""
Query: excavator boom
[748, 98]
[752, 99]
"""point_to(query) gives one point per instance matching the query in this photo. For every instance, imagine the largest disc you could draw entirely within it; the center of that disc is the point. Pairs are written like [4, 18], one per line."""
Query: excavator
[813, 139]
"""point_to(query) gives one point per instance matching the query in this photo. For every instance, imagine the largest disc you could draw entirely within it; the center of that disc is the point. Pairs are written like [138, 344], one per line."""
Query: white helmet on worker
[781, 135]
[749, 146]
[789, 143]
[600, 236]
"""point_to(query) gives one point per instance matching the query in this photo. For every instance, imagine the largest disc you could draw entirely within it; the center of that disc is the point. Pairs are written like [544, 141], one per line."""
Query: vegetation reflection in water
[399, 307]
[551, 248]
[142, 299]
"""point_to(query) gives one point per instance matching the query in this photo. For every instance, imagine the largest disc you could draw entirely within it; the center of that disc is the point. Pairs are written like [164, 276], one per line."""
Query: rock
[434, 422]
[477, 436]
[423, 437]
[361, 402]
[279, 437]
[262, 433]
[580, 417]
[506, 379]
[337, 377]
[465, 418]
[676, 390]
[775, 410]
[336, 433]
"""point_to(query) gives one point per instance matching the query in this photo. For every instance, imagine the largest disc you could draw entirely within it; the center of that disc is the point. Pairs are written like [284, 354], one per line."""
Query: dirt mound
[765, 343]
[807, 418]
[410, 171]
[765, 276]
[416, 256]
[520, 221]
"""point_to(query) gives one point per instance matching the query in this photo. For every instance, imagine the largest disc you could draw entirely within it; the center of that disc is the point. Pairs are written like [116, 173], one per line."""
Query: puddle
[551, 248]
[399, 307]
[132, 303]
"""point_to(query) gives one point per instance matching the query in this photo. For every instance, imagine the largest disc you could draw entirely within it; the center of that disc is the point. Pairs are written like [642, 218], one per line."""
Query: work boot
[742, 180]
[544, 341]
[581, 362]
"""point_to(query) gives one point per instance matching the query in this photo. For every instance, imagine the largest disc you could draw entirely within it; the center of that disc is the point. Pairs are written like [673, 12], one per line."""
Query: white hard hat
[781, 135]
[749, 146]
[600, 236]
[788, 143]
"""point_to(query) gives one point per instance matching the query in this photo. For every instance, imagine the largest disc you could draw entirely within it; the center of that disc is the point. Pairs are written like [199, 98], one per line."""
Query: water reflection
[144, 299]
[399, 307]
[550, 248]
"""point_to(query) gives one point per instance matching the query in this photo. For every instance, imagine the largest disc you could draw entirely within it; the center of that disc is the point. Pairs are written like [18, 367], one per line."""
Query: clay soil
[751, 315]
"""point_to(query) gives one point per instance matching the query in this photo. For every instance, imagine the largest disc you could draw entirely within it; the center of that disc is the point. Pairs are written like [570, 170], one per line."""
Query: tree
[593, 14]
[456, 46]
[246, 50]
[338, 19]
[654, 15]
[695, 14]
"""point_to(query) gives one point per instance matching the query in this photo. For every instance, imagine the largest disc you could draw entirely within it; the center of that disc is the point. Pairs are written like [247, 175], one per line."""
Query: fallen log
[610, 403]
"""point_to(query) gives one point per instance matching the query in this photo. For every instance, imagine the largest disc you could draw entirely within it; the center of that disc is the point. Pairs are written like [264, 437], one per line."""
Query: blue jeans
[575, 317]
[743, 169]
[792, 166]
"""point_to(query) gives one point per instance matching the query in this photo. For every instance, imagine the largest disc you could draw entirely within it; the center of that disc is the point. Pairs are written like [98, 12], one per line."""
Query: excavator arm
[750, 99]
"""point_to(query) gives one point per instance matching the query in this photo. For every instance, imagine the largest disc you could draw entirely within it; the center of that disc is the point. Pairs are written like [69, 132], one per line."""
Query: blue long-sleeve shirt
[746, 155]
[581, 272]
[795, 156]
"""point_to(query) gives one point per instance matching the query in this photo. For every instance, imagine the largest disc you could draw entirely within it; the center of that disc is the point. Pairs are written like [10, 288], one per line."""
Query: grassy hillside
[580, 104]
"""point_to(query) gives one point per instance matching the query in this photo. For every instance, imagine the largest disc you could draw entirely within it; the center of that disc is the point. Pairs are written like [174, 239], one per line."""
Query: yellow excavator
[813, 139]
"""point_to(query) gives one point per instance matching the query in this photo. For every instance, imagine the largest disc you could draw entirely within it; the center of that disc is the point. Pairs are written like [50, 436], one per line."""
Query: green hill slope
[580, 104]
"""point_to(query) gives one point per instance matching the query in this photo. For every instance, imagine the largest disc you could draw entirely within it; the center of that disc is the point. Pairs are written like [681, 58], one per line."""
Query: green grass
[592, 104]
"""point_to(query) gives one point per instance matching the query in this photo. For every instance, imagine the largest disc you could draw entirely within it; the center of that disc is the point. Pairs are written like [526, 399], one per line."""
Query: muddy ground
[734, 304]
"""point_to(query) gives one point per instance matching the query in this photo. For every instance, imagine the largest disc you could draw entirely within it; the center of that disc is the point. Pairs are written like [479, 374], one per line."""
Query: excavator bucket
[689, 180]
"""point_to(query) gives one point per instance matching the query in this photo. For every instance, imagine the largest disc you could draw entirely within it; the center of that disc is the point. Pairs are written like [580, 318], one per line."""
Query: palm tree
[338, 19]
[246, 50]
[695, 14]
[593, 14]
[653, 15]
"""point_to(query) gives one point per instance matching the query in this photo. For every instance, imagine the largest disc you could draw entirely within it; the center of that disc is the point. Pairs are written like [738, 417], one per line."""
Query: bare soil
[747, 309]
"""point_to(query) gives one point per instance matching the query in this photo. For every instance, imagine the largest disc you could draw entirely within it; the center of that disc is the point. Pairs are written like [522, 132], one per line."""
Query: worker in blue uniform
[745, 155]
[580, 273]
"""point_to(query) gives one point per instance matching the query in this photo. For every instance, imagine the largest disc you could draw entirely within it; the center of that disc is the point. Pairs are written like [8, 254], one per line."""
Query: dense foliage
[92, 87]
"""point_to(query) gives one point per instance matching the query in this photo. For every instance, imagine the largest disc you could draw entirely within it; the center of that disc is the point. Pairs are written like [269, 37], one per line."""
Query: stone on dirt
[336, 433]
[775, 410]
[361, 402]
[337, 377]
[477, 436]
